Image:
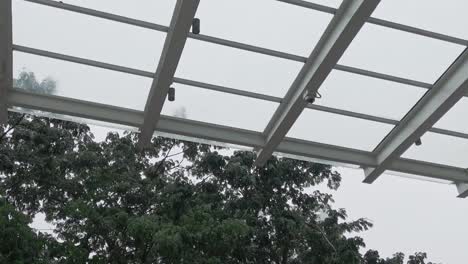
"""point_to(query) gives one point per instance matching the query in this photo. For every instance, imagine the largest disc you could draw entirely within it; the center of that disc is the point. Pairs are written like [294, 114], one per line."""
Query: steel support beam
[221, 134]
[222, 89]
[229, 43]
[344, 68]
[382, 22]
[182, 18]
[342, 29]
[462, 189]
[447, 91]
[301, 3]
[6, 57]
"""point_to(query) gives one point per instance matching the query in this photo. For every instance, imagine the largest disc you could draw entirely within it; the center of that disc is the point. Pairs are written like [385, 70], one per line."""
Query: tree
[18, 242]
[175, 202]
[372, 257]
[28, 81]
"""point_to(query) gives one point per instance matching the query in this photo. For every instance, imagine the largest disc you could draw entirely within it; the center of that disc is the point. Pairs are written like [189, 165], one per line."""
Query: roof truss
[462, 189]
[6, 57]
[447, 91]
[184, 12]
[218, 88]
[67, 108]
[347, 21]
[340, 32]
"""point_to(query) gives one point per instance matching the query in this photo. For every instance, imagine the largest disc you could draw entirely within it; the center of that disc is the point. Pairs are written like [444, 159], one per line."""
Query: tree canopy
[175, 202]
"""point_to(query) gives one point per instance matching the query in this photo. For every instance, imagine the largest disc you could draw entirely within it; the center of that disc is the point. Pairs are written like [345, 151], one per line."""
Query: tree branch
[164, 159]
[322, 232]
[12, 127]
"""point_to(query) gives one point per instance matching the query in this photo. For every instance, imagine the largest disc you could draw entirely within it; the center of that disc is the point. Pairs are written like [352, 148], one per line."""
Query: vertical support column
[462, 189]
[184, 12]
[339, 34]
[447, 91]
[6, 57]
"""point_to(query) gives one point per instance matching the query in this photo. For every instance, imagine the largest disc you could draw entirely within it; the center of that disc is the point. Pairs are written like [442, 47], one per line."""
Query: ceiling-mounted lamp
[310, 97]
[196, 26]
[171, 94]
[418, 142]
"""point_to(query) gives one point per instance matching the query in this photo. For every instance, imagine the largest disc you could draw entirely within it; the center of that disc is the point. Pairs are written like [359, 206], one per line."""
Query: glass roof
[86, 36]
[384, 75]
[236, 68]
[455, 118]
[431, 15]
[339, 130]
[91, 84]
[219, 108]
[440, 149]
[400, 54]
[269, 24]
[351, 92]
[148, 10]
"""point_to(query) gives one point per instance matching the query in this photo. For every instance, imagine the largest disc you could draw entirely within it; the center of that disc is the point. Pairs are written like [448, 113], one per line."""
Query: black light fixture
[310, 97]
[418, 142]
[171, 94]
[196, 26]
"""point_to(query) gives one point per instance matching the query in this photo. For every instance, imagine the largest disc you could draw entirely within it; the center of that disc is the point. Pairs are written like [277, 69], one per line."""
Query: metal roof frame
[341, 31]
[6, 57]
[218, 88]
[184, 13]
[67, 108]
[347, 21]
[445, 93]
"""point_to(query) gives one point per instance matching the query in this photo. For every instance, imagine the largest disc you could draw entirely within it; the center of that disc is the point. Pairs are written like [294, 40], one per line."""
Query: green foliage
[175, 202]
[372, 257]
[27, 81]
[18, 242]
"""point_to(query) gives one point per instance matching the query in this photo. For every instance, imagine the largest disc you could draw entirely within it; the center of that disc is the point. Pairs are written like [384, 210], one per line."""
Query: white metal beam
[450, 88]
[6, 57]
[462, 189]
[301, 3]
[339, 67]
[230, 43]
[342, 29]
[182, 18]
[382, 22]
[217, 134]
[223, 89]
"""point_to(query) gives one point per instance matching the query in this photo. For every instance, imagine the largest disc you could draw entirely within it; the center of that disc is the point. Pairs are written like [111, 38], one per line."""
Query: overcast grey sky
[409, 215]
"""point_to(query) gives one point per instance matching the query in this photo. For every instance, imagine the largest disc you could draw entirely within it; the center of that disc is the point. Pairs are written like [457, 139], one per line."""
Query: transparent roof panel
[280, 26]
[80, 120]
[401, 54]
[416, 177]
[239, 69]
[265, 23]
[368, 95]
[330, 3]
[219, 108]
[86, 83]
[159, 12]
[338, 130]
[85, 36]
[440, 149]
[447, 17]
[456, 118]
